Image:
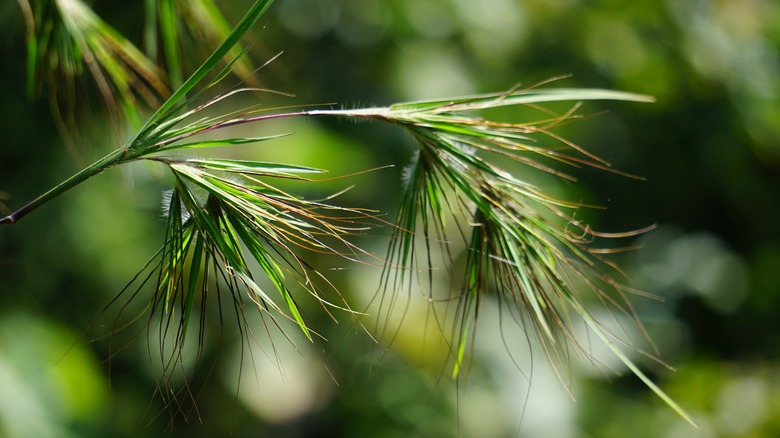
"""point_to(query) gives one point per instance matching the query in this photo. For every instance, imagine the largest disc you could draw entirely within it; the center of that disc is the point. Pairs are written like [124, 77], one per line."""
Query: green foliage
[235, 229]
[536, 266]
[203, 22]
[66, 39]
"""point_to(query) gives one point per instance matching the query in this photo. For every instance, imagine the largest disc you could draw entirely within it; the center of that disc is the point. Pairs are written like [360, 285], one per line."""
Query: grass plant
[523, 245]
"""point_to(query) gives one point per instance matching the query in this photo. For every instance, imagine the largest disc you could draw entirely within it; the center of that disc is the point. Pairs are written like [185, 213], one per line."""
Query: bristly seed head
[408, 171]
[165, 207]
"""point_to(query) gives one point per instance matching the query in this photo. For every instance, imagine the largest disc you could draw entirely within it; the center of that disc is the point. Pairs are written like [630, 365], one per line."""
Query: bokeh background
[709, 149]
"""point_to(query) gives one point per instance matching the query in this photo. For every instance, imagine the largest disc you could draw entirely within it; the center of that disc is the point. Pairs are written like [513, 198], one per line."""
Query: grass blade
[246, 23]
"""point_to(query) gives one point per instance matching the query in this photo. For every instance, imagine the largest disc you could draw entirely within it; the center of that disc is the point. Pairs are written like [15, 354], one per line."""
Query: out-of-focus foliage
[708, 147]
[65, 41]
[47, 393]
[187, 29]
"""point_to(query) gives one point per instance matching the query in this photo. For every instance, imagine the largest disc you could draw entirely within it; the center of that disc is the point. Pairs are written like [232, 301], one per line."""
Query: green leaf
[255, 167]
[169, 30]
[246, 23]
[522, 97]
[222, 142]
[192, 284]
[271, 269]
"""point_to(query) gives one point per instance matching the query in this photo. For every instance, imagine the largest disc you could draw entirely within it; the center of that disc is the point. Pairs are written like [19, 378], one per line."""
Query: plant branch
[409, 114]
[123, 156]
[115, 158]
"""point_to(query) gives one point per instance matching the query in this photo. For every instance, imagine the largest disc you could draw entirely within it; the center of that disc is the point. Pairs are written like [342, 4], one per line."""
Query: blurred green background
[709, 148]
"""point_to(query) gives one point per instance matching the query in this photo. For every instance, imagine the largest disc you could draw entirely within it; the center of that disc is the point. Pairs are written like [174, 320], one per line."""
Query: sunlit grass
[524, 246]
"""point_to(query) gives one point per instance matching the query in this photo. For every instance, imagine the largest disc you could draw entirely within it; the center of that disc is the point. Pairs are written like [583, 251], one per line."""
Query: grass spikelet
[522, 245]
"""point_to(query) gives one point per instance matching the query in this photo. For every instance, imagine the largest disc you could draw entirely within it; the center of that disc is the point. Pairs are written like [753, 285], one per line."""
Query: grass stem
[117, 157]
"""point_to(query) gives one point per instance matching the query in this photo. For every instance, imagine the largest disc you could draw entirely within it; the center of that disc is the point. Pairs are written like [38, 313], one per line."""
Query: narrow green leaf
[255, 167]
[495, 100]
[192, 283]
[271, 269]
[169, 29]
[206, 18]
[246, 23]
[256, 290]
[474, 280]
[222, 142]
[600, 332]
[150, 28]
